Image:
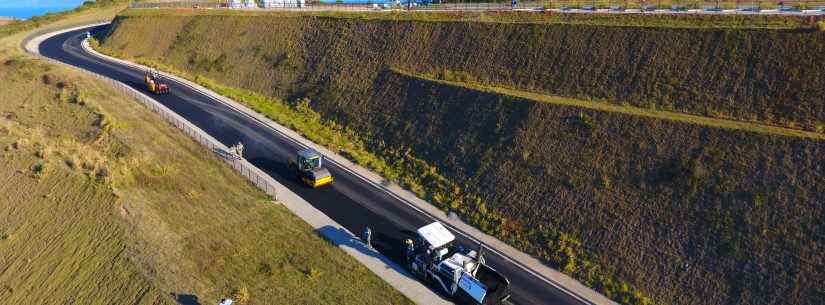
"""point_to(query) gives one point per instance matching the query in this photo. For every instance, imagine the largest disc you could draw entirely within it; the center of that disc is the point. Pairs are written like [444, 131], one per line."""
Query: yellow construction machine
[308, 166]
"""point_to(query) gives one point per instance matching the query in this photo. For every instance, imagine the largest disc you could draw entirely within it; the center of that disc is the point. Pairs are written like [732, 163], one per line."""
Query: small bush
[819, 127]
[102, 173]
[71, 162]
[265, 269]
[42, 153]
[88, 165]
[38, 169]
[313, 273]
[241, 296]
[94, 43]
[821, 26]
[18, 144]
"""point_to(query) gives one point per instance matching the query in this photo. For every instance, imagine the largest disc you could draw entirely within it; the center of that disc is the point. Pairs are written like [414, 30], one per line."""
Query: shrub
[265, 269]
[42, 153]
[241, 296]
[313, 273]
[38, 169]
[71, 162]
[102, 173]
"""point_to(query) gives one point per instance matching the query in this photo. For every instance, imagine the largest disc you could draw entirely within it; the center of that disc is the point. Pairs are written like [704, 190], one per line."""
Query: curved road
[350, 201]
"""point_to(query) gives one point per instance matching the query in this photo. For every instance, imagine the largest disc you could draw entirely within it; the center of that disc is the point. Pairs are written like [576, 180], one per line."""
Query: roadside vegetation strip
[631, 110]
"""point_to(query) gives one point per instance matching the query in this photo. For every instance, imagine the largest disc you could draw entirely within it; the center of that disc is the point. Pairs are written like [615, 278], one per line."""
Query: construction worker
[410, 248]
[368, 237]
[239, 149]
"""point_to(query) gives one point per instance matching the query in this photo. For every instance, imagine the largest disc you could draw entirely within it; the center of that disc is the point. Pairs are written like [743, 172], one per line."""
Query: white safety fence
[258, 177]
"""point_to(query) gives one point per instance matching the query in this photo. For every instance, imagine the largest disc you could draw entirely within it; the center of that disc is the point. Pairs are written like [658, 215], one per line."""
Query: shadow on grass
[186, 299]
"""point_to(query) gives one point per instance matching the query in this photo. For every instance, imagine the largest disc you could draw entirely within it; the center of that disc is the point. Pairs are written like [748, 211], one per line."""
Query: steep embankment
[770, 76]
[687, 213]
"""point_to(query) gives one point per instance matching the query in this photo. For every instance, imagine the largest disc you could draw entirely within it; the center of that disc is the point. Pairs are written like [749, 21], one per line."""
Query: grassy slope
[767, 76]
[690, 214]
[109, 205]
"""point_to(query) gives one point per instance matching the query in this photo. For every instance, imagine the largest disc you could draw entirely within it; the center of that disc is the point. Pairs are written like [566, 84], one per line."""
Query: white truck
[458, 272]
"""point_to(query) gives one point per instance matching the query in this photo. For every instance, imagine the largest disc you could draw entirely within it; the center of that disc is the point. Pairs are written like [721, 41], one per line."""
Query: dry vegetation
[767, 76]
[104, 203]
[635, 202]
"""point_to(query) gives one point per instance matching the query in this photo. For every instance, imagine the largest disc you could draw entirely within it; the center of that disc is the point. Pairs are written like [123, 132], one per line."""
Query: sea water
[24, 9]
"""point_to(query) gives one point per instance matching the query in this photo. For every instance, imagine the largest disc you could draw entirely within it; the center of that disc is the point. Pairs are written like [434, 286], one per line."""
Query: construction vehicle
[309, 168]
[459, 273]
[154, 84]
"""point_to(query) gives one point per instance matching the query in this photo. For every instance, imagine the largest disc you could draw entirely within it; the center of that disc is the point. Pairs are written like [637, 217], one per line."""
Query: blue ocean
[24, 9]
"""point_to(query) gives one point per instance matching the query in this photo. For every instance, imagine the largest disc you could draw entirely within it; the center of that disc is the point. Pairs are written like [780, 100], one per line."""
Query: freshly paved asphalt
[349, 200]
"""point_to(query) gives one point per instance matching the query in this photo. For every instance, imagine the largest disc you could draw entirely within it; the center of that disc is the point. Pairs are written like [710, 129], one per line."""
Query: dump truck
[309, 168]
[154, 83]
[458, 272]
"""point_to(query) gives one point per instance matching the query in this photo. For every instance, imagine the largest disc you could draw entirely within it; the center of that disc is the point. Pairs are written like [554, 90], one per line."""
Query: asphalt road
[350, 201]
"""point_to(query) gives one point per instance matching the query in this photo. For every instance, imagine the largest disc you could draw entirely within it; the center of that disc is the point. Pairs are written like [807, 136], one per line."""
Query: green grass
[108, 204]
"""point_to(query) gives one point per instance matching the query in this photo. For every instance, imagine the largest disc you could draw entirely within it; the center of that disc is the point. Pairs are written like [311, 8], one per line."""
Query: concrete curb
[380, 265]
[526, 262]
